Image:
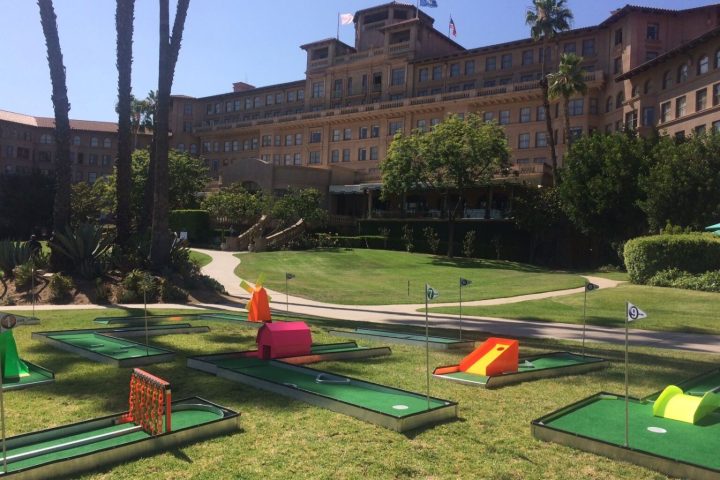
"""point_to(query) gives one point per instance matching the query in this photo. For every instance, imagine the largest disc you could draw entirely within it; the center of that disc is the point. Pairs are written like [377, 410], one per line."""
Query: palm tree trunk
[548, 118]
[61, 106]
[566, 113]
[124, 16]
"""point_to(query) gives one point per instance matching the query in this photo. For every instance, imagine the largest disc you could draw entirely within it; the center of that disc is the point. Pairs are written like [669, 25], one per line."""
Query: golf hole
[656, 430]
[400, 407]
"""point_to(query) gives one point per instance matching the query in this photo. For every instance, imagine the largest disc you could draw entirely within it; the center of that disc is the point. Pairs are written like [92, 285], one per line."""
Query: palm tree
[160, 243]
[566, 82]
[124, 15]
[61, 106]
[546, 20]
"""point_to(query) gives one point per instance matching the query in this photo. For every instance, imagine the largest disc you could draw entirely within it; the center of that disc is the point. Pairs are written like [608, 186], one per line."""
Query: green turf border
[49, 374]
[456, 345]
[665, 465]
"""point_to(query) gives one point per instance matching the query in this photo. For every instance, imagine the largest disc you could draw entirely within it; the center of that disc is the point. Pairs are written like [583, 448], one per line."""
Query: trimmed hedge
[195, 222]
[692, 253]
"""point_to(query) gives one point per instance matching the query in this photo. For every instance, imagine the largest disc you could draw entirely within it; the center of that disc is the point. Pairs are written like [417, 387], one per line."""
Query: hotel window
[423, 75]
[288, 159]
[193, 149]
[716, 126]
[699, 130]
[667, 80]
[187, 127]
[269, 99]
[394, 127]
[377, 82]
[46, 139]
[569, 47]
[540, 114]
[279, 97]
[290, 97]
[454, 88]
[525, 115]
[421, 125]
[703, 65]
[505, 81]
[237, 105]
[47, 157]
[588, 47]
[397, 76]
[235, 146]
[522, 161]
[347, 134]
[92, 176]
[540, 139]
[105, 160]
[206, 147]
[92, 158]
[648, 116]
[94, 142]
[489, 83]
[680, 106]
[218, 107]
[350, 86]
[716, 94]
[524, 140]
[576, 106]
[653, 31]
[258, 102]
[266, 140]
[289, 140]
[334, 156]
[297, 159]
[362, 154]
[300, 95]
[593, 106]
[490, 64]
[434, 121]
[435, 91]
[682, 73]
[506, 61]
[278, 140]
[228, 106]
[375, 131]
[617, 65]
[346, 155]
[618, 36]
[488, 117]
[454, 70]
[575, 133]
[631, 120]
[209, 108]
[298, 139]
[470, 67]
[314, 158]
[315, 137]
[700, 99]
[717, 58]
[527, 57]
[647, 87]
[76, 141]
[539, 160]
[254, 143]
[680, 136]
[246, 144]
[318, 89]
[504, 117]
[620, 99]
[468, 86]
[373, 153]
[248, 103]
[336, 135]
[363, 132]
[437, 72]
[649, 55]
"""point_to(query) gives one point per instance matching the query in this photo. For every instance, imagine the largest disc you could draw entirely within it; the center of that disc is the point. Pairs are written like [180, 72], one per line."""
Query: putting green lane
[180, 420]
[389, 401]
[111, 347]
[404, 336]
[603, 418]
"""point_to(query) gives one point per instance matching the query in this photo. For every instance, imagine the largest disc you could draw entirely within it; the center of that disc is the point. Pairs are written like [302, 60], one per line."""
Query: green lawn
[283, 438]
[377, 277]
[667, 308]
[201, 259]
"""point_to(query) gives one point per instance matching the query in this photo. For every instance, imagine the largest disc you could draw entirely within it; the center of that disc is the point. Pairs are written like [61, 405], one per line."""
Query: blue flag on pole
[428, 3]
[464, 282]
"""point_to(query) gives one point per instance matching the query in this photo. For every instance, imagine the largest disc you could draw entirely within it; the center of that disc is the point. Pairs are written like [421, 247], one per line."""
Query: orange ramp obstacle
[675, 404]
[494, 357]
[259, 305]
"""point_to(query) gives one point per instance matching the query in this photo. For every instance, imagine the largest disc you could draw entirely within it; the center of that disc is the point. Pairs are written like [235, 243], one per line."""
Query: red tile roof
[49, 122]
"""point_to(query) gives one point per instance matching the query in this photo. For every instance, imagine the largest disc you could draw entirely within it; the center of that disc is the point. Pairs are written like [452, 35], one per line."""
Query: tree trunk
[548, 118]
[566, 112]
[124, 16]
[61, 106]
[452, 215]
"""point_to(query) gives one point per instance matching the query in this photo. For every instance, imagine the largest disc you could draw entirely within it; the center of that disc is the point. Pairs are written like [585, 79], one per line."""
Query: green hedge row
[195, 222]
[692, 253]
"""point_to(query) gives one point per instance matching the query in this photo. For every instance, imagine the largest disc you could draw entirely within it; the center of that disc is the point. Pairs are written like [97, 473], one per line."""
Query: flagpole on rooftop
[337, 35]
[417, 9]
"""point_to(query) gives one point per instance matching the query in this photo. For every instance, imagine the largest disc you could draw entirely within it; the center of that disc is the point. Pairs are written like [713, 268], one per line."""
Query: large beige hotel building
[647, 69]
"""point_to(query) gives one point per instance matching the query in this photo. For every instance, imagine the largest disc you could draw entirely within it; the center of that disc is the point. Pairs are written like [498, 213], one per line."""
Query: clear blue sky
[225, 41]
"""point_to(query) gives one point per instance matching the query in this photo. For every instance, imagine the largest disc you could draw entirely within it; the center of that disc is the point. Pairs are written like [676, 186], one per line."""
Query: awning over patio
[358, 189]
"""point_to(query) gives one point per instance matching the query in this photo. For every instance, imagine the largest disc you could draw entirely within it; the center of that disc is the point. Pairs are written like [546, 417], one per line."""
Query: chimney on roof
[242, 87]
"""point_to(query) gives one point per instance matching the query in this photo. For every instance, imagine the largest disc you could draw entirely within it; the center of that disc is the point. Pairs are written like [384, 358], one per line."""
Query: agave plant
[85, 247]
[12, 254]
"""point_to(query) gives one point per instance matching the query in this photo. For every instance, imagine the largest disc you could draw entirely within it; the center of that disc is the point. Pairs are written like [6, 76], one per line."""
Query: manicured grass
[200, 258]
[377, 277]
[668, 309]
[283, 438]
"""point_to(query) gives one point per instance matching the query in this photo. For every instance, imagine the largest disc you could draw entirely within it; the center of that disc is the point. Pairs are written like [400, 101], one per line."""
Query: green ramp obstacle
[389, 407]
[405, 338]
[16, 372]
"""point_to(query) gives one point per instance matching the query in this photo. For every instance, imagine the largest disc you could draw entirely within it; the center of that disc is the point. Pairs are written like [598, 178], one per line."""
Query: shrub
[385, 234]
[85, 247]
[407, 237]
[195, 222]
[12, 254]
[706, 282]
[102, 292]
[172, 293]
[692, 253]
[60, 288]
[135, 284]
[432, 238]
[23, 276]
[469, 243]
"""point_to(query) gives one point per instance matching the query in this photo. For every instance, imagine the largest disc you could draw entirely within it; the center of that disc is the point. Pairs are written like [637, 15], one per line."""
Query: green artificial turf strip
[180, 421]
[378, 277]
[111, 347]
[201, 259]
[668, 309]
[404, 336]
[604, 419]
[336, 347]
[697, 386]
[36, 375]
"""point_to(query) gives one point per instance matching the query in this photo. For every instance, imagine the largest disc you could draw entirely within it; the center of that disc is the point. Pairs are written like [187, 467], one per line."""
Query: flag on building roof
[428, 3]
[453, 30]
[634, 313]
[346, 18]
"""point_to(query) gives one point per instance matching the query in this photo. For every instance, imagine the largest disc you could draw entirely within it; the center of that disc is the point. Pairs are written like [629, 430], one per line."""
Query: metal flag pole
[32, 289]
[287, 293]
[2, 418]
[427, 347]
[584, 318]
[460, 287]
[338, 27]
[627, 406]
[147, 337]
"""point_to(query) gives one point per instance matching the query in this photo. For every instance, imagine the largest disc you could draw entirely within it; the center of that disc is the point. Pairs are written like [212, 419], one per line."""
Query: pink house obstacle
[283, 339]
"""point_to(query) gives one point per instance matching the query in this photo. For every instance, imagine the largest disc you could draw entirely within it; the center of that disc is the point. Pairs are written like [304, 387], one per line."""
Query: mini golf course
[134, 332]
[547, 365]
[434, 343]
[676, 448]
[69, 449]
[235, 318]
[389, 407]
[38, 376]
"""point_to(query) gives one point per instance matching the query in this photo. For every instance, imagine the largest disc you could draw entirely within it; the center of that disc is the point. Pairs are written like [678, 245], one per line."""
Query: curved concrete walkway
[223, 265]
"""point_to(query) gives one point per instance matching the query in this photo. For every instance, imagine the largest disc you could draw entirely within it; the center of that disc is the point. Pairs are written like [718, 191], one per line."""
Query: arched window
[647, 87]
[193, 149]
[94, 142]
[703, 65]
[717, 58]
[635, 91]
[682, 73]
[608, 104]
[620, 99]
[76, 141]
[667, 80]
[107, 143]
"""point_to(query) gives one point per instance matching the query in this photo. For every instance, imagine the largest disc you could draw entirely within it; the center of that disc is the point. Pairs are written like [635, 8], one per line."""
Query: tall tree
[402, 170]
[61, 106]
[566, 82]
[546, 19]
[168, 54]
[124, 16]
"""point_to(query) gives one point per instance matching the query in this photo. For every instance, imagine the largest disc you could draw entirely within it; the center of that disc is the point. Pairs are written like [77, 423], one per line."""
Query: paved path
[224, 263]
